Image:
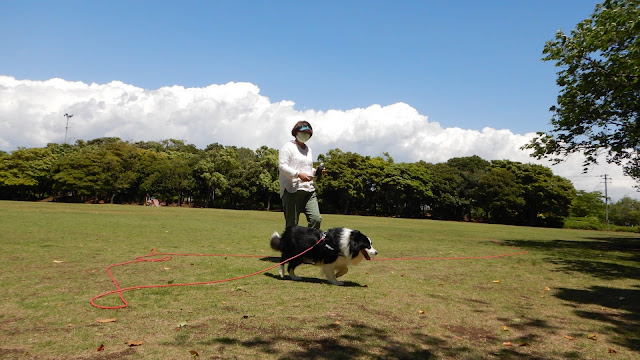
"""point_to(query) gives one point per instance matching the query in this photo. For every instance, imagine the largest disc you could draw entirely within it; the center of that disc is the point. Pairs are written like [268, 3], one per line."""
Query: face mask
[303, 137]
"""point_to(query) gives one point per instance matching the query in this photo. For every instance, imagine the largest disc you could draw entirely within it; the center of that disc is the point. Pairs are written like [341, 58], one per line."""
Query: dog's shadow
[273, 259]
[276, 260]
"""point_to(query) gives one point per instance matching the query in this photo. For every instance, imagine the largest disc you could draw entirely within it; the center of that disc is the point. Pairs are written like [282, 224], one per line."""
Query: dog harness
[322, 240]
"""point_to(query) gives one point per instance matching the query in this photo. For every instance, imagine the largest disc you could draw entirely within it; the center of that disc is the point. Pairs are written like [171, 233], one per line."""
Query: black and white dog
[340, 248]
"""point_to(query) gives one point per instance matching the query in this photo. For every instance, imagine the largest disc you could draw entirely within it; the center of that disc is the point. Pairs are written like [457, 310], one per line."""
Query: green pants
[298, 202]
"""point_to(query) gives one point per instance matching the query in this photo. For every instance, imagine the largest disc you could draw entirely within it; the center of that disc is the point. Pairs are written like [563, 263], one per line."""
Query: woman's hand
[304, 177]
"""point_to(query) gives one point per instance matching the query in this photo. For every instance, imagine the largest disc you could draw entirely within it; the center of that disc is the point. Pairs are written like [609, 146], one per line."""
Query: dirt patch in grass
[470, 332]
[13, 353]
[122, 354]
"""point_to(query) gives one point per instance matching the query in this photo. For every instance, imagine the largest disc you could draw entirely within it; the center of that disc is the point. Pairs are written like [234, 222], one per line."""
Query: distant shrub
[594, 223]
[584, 223]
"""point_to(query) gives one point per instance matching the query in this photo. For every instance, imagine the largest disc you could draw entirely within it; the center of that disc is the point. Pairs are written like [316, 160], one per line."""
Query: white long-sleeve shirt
[293, 160]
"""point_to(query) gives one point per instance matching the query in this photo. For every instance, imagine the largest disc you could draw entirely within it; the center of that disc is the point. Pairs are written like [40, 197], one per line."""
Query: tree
[342, 185]
[625, 212]
[81, 174]
[588, 204]
[471, 169]
[208, 180]
[25, 174]
[243, 179]
[216, 166]
[178, 176]
[372, 175]
[547, 197]
[500, 196]
[448, 186]
[268, 183]
[524, 194]
[597, 109]
[102, 169]
[406, 189]
[154, 169]
[122, 163]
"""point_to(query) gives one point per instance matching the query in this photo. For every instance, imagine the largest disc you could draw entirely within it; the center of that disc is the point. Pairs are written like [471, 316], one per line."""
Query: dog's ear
[363, 238]
[359, 237]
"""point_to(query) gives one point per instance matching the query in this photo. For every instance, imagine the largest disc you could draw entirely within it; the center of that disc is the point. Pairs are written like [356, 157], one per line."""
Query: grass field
[574, 295]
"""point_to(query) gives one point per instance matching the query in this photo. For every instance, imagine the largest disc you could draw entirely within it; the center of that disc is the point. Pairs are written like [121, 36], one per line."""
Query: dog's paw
[339, 283]
[295, 277]
[342, 271]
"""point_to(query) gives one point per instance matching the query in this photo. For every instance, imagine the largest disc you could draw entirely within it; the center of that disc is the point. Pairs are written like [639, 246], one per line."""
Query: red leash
[168, 256]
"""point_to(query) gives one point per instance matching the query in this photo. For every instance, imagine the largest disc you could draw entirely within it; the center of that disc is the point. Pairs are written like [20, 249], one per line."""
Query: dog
[339, 248]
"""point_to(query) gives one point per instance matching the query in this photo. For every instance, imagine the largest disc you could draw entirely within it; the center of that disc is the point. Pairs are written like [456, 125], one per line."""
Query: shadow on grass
[360, 341]
[609, 258]
[273, 259]
[314, 280]
[619, 308]
[630, 247]
[598, 257]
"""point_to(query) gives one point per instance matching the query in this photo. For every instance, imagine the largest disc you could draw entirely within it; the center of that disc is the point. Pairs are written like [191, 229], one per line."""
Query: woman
[297, 189]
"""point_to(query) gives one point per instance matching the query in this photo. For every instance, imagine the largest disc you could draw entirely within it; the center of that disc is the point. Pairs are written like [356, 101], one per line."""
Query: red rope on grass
[168, 256]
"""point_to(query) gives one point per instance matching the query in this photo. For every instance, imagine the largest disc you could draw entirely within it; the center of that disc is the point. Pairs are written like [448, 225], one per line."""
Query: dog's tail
[275, 241]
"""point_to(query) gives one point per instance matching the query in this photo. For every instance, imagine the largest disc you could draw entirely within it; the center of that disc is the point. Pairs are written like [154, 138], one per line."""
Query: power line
[581, 176]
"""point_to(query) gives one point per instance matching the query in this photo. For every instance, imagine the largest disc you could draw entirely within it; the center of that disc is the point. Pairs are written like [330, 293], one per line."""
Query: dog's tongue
[364, 253]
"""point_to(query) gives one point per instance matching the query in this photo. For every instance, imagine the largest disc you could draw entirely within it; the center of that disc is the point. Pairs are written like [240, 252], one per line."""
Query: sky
[421, 80]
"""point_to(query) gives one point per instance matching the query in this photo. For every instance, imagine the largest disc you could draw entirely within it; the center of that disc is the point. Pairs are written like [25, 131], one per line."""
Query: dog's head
[360, 243]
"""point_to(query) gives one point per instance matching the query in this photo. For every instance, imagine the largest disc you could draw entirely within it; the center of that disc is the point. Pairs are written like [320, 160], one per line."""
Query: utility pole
[66, 129]
[607, 179]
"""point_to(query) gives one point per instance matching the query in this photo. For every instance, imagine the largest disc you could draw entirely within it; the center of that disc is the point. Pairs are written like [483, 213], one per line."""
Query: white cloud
[32, 115]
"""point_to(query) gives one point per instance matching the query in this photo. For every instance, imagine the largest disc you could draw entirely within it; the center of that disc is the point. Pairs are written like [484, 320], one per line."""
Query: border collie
[340, 248]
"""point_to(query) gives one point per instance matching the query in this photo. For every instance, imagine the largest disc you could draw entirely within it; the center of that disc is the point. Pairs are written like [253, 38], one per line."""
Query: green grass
[570, 285]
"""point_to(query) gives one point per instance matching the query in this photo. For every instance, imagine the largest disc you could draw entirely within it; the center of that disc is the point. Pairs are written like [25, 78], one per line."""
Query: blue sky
[468, 64]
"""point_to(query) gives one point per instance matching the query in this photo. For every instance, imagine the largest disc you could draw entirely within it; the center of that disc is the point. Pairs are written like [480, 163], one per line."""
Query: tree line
[462, 189]
[114, 171]
[467, 188]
